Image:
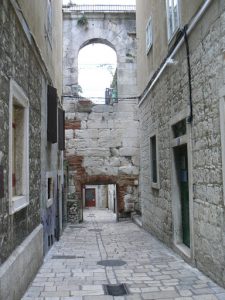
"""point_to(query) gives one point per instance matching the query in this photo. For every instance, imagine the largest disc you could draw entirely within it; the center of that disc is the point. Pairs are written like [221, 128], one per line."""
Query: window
[154, 162]
[49, 189]
[61, 129]
[18, 148]
[172, 7]
[52, 115]
[153, 159]
[49, 21]
[179, 128]
[149, 35]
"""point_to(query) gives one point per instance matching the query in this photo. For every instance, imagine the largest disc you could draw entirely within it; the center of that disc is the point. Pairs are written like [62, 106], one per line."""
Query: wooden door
[90, 198]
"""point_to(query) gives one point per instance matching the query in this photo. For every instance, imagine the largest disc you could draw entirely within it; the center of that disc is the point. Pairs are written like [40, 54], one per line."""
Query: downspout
[159, 72]
[190, 117]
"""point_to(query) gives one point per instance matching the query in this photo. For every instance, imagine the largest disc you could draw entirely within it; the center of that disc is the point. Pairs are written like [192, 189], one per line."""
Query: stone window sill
[49, 202]
[155, 185]
[18, 203]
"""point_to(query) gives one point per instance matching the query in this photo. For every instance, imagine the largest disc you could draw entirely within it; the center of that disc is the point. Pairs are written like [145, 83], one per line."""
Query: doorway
[90, 197]
[182, 203]
[100, 196]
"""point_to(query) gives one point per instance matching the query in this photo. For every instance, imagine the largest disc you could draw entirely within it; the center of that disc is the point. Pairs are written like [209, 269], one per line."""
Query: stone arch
[97, 41]
[114, 30]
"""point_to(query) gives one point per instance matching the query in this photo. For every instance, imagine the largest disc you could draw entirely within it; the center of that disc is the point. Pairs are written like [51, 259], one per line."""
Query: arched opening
[97, 78]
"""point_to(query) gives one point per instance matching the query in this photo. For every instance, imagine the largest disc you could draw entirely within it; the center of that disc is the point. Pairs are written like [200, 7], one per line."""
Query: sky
[96, 66]
[122, 2]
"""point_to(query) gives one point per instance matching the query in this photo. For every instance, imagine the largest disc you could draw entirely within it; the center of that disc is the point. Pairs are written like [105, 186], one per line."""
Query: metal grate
[115, 289]
[111, 263]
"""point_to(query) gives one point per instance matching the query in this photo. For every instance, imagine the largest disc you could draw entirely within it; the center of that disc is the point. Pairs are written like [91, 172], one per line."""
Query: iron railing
[99, 8]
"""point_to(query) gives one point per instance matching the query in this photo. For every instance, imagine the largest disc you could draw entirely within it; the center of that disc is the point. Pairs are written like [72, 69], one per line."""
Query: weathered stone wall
[168, 98]
[116, 30]
[102, 148]
[17, 61]
[102, 141]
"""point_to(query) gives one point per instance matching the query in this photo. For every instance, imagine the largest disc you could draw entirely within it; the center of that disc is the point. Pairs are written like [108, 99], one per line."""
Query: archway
[97, 63]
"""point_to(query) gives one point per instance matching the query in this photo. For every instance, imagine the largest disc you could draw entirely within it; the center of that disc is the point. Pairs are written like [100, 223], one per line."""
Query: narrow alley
[71, 269]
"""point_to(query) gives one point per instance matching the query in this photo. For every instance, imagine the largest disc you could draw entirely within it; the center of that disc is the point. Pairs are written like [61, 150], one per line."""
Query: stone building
[101, 140]
[30, 156]
[181, 78]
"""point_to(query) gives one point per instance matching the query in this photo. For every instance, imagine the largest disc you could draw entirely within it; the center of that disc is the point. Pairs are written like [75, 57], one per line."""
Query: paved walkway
[152, 271]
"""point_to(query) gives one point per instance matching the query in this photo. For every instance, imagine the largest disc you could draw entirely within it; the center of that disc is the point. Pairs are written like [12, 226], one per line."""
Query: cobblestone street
[152, 271]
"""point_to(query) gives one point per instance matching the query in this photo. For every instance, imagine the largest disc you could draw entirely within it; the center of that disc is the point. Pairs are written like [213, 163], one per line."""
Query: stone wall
[17, 61]
[169, 98]
[102, 140]
[102, 148]
[116, 30]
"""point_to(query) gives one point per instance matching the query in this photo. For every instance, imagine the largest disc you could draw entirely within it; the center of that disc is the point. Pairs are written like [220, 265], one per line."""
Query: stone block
[125, 151]
[24, 263]
[129, 170]
[68, 134]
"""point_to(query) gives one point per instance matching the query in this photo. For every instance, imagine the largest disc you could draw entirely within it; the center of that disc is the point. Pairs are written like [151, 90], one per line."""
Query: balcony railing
[99, 8]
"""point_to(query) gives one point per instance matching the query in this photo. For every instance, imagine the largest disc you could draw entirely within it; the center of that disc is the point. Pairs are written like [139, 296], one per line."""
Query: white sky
[96, 66]
[122, 2]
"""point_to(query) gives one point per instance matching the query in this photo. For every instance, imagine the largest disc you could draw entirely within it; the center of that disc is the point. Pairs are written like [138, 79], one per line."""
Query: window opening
[172, 17]
[179, 128]
[17, 150]
[149, 39]
[49, 22]
[97, 75]
[18, 181]
[154, 159]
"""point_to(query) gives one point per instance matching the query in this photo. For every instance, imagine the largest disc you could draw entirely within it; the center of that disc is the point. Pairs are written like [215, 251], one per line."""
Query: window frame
[154, 185]
[50, 201]
[149, 38]
[18, 96]
[170, 35]
[49, 22]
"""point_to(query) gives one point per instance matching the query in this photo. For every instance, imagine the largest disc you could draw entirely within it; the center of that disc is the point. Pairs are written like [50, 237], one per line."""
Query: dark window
[153, 159]
[52, 115]
[50, 189]
[179, 128]
[61, 128]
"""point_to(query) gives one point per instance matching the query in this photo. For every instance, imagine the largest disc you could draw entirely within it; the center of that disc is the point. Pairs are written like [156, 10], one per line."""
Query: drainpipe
[191, 26]
[190, 117]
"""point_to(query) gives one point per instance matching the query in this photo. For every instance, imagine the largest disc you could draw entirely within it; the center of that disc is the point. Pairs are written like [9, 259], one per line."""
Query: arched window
[97, 72]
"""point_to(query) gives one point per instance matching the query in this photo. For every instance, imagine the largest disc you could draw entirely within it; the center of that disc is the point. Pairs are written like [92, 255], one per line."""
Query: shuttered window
[61, 128]
[52, 115]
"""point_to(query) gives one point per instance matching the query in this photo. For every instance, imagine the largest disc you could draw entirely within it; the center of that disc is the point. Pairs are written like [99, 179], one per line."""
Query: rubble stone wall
[102, 148]
[101, 140]
[167, 99]
[17, 61]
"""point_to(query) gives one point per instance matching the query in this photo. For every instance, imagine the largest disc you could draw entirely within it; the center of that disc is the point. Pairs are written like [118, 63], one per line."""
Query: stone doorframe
[184, 251]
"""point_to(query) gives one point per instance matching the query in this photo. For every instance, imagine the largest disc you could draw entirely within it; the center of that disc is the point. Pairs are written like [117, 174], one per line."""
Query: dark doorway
[90, 197]
[181, 161]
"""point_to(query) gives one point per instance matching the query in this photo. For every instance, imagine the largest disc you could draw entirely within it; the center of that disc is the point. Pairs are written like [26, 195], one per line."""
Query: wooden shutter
[61, 127]
[52, 115]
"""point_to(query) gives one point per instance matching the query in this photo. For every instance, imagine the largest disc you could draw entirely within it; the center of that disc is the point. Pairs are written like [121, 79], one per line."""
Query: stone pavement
[152, 271]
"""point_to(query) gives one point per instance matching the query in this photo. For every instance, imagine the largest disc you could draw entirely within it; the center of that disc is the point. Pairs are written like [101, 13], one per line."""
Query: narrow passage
[148, 269]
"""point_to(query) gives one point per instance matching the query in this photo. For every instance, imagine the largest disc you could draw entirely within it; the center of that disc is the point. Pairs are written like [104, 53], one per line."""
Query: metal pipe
[192, 24]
